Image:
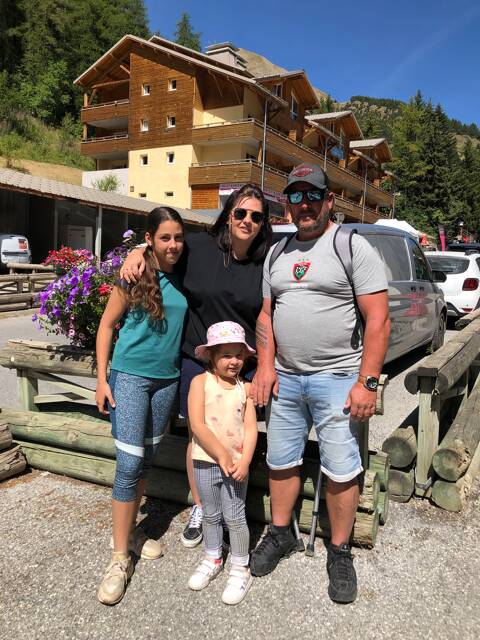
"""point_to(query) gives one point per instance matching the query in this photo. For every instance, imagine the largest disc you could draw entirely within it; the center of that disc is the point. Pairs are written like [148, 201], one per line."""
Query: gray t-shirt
[315, 318]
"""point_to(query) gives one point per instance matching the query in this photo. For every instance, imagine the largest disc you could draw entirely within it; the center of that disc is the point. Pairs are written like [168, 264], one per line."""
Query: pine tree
[185, 35]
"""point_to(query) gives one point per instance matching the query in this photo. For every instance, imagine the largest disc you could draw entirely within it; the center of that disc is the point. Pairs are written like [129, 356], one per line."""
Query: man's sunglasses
[313, 195]
[256, 216]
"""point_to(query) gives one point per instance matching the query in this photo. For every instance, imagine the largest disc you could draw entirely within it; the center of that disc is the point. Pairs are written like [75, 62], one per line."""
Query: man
[318, 374]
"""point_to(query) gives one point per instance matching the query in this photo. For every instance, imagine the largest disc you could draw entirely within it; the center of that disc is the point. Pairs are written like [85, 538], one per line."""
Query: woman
[222, 281]
[142, 385]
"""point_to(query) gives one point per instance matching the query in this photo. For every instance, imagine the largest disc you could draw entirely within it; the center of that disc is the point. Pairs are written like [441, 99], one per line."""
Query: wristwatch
[369, 382]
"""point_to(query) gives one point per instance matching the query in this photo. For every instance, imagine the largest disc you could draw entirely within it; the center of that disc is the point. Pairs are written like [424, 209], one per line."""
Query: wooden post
[98, 233]
[55, 224]
[27, 390]
[427, 437]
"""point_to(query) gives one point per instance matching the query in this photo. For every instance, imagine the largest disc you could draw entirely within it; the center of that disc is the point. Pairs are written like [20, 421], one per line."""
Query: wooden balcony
[105, 145]
[240, 171]
[105, 112]
[295, 152]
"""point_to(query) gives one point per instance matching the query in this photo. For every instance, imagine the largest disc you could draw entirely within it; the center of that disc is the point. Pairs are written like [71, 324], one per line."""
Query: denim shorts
[316, 399]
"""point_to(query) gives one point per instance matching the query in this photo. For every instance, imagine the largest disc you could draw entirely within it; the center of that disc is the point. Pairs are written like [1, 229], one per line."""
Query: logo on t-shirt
[300, 269]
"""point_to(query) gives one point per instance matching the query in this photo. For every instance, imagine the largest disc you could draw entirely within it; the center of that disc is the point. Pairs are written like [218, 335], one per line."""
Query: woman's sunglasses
[313, 195]
[256, 216]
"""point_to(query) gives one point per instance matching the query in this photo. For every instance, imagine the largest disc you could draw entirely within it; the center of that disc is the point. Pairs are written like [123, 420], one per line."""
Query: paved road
[421, 580]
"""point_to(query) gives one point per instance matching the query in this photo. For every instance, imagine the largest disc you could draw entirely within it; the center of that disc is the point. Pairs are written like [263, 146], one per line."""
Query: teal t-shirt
[152, 349]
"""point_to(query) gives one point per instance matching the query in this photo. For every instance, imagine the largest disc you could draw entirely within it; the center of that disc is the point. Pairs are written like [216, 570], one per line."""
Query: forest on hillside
[46, 44]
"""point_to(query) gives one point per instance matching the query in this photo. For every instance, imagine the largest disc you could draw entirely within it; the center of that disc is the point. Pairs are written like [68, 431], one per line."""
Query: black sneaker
[343, 579]
[274, 547]
[192, 534]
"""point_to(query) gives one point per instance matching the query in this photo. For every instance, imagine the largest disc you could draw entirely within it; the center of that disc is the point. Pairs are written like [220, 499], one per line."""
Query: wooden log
[401, 484]
[449, 362]
[452, 495]
[401, 446]
[5, 436]
[379, 462]
[383, 506]
[27, 277]
[22, 266]
[13, 298]
[44, 356]
[455, 452]
[173, 485]
[14, 307]
[12, 462]
[466, 320]
[93, 437]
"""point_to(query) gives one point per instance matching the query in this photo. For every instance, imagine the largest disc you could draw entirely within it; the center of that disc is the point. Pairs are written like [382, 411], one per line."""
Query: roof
[352, 126]
[379, 144]
[301, 85]
[18, 181]
[114, 55]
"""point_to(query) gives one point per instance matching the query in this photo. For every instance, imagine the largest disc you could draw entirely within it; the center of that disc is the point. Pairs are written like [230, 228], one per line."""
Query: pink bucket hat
[223, 333]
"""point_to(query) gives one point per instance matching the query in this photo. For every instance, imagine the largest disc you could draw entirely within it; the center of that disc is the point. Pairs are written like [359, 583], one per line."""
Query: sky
[377, 48]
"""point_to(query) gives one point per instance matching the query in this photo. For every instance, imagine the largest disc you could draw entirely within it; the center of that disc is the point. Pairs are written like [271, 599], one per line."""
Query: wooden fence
[19, 290]
[63, 433]
[437, 456]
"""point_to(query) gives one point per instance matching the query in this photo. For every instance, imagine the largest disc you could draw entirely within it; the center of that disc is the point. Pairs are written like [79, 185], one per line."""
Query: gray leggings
[139, 420]
[222, 498]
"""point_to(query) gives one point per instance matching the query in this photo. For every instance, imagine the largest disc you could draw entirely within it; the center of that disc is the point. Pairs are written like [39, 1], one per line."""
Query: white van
[418, 312]
[14, 248]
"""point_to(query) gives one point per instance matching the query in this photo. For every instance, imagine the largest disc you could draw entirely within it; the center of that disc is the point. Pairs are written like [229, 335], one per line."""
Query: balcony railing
[113, 103]
[324, 162]
[115, 136]
[248, 169]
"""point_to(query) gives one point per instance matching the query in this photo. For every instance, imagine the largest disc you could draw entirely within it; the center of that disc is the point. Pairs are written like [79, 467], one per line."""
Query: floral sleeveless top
[224, 413]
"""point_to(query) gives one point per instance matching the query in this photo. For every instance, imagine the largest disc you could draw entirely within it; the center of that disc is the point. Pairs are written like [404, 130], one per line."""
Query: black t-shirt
[216, 293]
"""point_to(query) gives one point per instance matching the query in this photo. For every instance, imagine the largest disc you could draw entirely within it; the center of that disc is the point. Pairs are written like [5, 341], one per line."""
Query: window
[277, 89]
[144, 126]
[170, 157]
[394, 253]
[142, 195]
[294, 108]
[169, 194]
[132, 189]
[143, 160]
[421, 267]
[170, 122]
[145, 89]
[172, 84]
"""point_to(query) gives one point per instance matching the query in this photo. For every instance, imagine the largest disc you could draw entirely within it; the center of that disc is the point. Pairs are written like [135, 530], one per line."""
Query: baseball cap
[310, 173]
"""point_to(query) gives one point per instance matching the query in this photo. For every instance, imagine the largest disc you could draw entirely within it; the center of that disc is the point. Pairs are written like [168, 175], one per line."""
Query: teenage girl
[142, 386]
[224, 427]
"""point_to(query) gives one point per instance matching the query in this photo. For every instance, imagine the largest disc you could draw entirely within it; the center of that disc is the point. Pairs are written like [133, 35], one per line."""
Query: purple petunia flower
[128, 234]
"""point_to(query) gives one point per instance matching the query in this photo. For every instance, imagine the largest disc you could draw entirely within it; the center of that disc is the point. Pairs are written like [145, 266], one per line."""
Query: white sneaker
[206, 571]
[239, 582]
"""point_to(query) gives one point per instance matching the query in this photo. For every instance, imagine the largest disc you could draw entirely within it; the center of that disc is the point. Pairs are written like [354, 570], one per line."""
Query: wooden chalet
[186, 128]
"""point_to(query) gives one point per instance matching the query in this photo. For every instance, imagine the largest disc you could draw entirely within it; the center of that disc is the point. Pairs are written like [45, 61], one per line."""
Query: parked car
[464, 246]
[418, 312]
[462, 286]
[14, 248]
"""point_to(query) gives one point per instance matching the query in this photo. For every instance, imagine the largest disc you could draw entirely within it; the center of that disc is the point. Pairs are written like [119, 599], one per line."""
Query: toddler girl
[224, 427]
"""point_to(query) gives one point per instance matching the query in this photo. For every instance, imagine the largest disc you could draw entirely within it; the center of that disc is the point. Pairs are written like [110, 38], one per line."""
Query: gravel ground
[421, 580]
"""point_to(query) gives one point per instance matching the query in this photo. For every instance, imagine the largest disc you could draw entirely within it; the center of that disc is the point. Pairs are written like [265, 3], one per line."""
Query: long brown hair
[147, 292]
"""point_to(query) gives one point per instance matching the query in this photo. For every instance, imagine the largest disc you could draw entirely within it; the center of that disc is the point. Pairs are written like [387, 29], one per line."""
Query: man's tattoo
[261, 334]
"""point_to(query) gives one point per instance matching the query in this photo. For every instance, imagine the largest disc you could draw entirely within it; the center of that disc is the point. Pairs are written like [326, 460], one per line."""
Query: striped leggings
[222, 499]
[139, 420]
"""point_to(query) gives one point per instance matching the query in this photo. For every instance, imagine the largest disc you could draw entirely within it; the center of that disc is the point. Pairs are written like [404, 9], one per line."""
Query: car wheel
[439, 335]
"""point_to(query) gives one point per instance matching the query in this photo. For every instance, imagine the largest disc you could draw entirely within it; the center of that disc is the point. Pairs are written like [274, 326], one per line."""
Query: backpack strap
[279, 249]
[342, 244]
